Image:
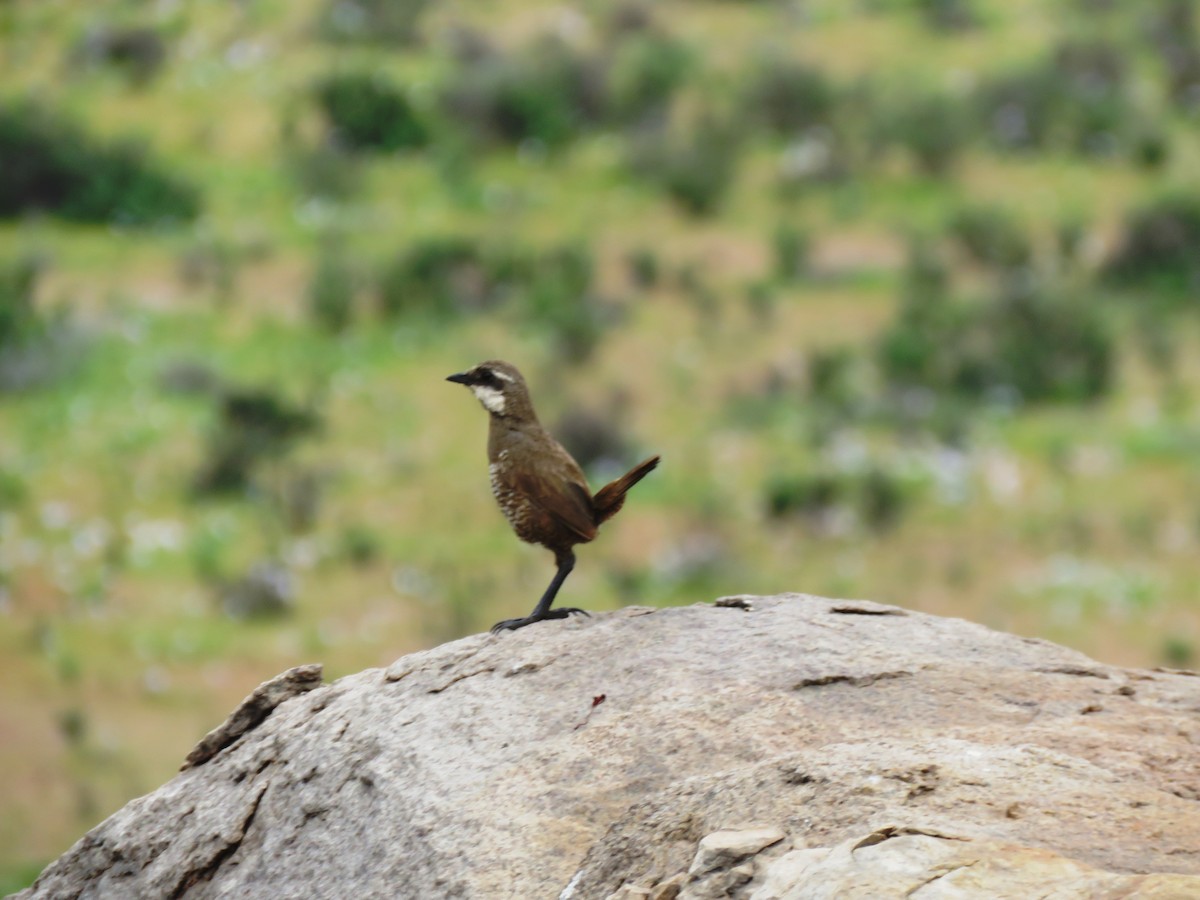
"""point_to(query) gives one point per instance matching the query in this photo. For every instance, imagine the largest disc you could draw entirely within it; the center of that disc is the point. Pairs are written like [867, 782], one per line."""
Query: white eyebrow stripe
[503, 376]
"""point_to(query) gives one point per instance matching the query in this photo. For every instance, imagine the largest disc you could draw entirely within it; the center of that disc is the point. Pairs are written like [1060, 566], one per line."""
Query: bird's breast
[512, 502]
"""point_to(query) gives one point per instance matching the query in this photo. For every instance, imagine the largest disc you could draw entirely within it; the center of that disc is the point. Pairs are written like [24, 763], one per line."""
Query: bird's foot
[561, 613]
[564, 611]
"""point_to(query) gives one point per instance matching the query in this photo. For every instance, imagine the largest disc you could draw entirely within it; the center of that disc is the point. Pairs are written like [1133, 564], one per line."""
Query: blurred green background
[903, 291]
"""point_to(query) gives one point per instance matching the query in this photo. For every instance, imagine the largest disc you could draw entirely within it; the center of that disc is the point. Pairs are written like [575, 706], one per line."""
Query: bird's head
[499, 387]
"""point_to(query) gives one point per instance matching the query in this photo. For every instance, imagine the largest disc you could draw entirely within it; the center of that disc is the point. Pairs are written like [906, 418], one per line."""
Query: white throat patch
[492, 399]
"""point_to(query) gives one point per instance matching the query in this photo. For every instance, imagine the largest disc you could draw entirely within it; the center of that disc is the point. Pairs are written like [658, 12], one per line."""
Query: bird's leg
[566, 562]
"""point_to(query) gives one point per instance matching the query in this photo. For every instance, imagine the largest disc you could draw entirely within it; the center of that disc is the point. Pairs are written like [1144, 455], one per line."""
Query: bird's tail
[610, 498]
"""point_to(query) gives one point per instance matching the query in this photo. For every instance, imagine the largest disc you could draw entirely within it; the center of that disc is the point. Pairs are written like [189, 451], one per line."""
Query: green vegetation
[1159, 246]
[1023, 342]
[37, 345]
[366, 112]
[903, 291]
[48, 164]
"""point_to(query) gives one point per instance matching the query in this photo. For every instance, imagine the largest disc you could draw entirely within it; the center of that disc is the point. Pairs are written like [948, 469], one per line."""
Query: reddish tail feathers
[610, 498]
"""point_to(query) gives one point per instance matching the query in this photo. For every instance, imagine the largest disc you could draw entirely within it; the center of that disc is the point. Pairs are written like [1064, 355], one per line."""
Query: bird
[538, 485]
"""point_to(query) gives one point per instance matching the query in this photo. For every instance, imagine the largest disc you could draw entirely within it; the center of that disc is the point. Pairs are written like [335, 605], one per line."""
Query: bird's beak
[460, 378]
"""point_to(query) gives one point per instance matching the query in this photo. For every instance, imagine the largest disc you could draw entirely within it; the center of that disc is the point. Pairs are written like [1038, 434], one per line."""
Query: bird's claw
[514, 624]
[510, 625]
[565, 611]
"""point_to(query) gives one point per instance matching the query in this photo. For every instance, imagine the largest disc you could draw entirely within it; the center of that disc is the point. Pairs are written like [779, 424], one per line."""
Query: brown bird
[540, 488]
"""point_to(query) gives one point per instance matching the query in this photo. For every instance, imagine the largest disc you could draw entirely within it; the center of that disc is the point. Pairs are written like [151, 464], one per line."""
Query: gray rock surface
[254, 710]
[768, 748]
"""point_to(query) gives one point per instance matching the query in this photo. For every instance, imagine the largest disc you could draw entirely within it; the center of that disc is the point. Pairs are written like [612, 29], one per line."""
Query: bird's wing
[561, 498]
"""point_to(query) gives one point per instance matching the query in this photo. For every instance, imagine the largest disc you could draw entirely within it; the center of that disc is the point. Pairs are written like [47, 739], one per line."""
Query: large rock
[767, 748]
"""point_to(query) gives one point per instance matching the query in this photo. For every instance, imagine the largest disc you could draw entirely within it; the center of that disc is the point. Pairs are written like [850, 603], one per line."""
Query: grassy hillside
[902, 290]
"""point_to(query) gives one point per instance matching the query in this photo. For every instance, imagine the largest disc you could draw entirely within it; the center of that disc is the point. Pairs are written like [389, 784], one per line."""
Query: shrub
[1172, 28]
[821, 156]
[761, 299]
[790, 97]
[912, 351]
[546, 92]
[359, 544]
[878, 496]
[1068, 238]
[991, 237]
[48, 164]
[696, 287]
[643, 267]
[186, 376]
[35, 347]
[366, 111]
[267, 590]
[1183, 76]
[809, 495]
[926, 272]
[326, 172]
[593, 437]
[946, 15]
[551, 289]
[254, 426]
[931, 126]
[14, 492]
[1049, 345]
[921, 347]
[372, 21]
[1178, 652]
[211, 262]
[831, 376]
[791, 246]
[1096, 116]
[882, 499]
[1019, 109]
[1037, 343]
[446, 276]
[19, 321]
[560, 298]
[136, 51]
[629, 17]
[331, 291]
[645, 72]
[695, 164]
[1151, 147]
[1161, 245]
[298, 498]
[1078, 99]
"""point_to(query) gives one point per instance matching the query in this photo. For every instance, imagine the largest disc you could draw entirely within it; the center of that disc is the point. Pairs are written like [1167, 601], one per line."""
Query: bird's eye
[488, 377]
